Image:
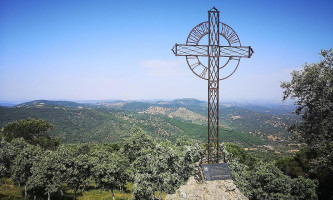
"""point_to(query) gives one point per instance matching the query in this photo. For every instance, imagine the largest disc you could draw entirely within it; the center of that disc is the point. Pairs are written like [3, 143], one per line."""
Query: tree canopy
[34, 131]
[110, 170]
[312, 90]
[27, 129]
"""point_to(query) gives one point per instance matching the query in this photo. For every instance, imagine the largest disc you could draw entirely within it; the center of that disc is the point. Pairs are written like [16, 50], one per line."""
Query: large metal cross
[233, 52]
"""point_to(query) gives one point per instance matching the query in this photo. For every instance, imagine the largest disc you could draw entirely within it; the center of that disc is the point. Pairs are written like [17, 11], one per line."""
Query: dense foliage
[151, 167]
[154, 168]
[31, 130]
[263, 180]
[312, 90]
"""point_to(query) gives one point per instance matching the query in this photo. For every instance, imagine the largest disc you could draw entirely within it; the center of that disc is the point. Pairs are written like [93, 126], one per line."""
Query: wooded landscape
[64, 150]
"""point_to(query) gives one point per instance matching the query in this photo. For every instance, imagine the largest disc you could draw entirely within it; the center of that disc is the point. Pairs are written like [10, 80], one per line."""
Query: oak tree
[312, 90]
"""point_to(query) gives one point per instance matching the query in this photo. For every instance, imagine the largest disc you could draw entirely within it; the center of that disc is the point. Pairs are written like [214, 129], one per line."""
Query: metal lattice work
[213, 28]
[202, 50]
[213, 82]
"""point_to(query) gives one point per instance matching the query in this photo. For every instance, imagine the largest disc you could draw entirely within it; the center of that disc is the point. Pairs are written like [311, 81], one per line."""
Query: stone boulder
[207, 190]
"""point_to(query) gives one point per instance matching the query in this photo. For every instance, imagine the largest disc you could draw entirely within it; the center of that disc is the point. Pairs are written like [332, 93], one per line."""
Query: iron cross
[232, 52]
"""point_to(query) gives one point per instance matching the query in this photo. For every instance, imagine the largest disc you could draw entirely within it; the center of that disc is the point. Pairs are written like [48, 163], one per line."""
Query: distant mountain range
[7, 104]
[112, 121]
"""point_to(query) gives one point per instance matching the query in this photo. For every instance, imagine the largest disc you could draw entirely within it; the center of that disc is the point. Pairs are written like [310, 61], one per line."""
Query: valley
[257, 128]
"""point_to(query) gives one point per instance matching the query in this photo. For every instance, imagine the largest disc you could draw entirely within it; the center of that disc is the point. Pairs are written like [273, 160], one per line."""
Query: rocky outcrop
[207, 190]
[181, 113]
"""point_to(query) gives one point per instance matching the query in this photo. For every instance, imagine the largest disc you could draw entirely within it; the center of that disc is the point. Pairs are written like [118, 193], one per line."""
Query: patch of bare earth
[181, 113]
[157, 110]
[186, 114]
[236, 117]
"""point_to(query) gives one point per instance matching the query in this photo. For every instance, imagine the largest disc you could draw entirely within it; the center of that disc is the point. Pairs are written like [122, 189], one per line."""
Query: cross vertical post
[213, 84]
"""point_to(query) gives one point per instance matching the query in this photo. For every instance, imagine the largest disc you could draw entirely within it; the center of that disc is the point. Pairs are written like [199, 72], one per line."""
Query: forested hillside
[112, 121]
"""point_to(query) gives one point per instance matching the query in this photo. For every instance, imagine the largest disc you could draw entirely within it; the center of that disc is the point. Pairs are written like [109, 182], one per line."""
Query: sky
[121, 49]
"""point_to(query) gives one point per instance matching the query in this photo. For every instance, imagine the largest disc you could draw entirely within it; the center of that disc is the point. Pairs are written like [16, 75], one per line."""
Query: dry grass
[9, 191]
[104, 195]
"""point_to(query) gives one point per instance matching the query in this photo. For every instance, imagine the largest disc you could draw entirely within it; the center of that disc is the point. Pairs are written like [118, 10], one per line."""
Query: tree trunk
[33, 190]
[112, 194]
[74, 194]
[48, 196]
[159, 190]
[25, 192]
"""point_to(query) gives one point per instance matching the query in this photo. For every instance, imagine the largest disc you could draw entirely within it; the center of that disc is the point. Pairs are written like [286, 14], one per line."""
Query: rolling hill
[112, 121]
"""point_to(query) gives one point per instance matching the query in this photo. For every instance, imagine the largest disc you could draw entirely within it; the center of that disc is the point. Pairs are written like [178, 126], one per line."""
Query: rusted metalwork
[233, 51]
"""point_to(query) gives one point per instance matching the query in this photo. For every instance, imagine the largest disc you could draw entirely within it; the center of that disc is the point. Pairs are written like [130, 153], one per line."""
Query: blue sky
[95, 50]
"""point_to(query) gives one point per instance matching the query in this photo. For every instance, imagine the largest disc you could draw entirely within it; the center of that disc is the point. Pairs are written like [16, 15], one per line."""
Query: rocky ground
[207, 190]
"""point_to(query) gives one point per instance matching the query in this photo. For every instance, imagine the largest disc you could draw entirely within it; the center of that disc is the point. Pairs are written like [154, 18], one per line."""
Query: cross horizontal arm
[190, 50]
[236, 51]
[202, 50]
